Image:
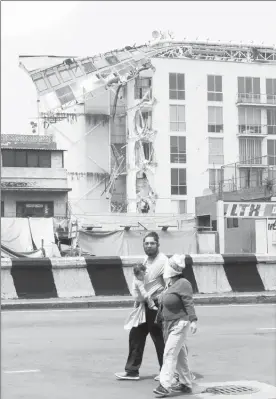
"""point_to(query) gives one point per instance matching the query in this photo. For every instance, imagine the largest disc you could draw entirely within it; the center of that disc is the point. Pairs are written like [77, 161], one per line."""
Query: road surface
[72, 354]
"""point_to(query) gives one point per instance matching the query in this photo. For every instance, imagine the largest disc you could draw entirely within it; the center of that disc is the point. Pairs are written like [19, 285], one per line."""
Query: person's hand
[193, 327]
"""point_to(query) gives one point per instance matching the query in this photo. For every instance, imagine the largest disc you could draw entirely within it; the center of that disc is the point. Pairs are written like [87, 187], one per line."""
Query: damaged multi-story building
[148, 128]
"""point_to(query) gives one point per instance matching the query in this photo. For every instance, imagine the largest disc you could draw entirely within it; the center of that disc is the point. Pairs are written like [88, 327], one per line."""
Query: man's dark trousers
[137, 341]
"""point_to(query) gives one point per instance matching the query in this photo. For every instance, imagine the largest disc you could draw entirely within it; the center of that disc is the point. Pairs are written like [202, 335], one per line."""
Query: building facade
[33, 177]
[150, 129]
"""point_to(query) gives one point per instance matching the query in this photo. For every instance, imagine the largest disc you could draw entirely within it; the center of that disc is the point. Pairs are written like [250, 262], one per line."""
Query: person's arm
[141, 288]
[136, 291]
[185, 291]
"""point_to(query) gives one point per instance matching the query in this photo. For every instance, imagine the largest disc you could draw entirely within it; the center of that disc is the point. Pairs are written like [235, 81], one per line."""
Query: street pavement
[72, 354]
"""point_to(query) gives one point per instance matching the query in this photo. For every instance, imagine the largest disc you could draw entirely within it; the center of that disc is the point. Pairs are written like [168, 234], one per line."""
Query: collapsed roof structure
[113, 71]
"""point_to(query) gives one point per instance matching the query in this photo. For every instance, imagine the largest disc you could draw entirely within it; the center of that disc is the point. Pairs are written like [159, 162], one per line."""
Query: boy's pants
[175, 358]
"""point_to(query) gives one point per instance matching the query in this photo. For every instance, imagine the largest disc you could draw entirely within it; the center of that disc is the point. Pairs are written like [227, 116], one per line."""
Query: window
[250, 120]
[33, 159]
[44, 159]
[216, 151]
[20, 158]
[271, 121]
[250, 151]
[53, 79]
[271, 91]
[215, 120]
[65, 75]
[249, 89]
[178, 149]
[178, 182]
[34, 209]
[142, 86]
[177, 118]
[88, 67]
[8, 158]
[39, 82]
[65, 95]
[177, 86]
[271, 152]
[27, 159]
[232, 223]
[147, 117]
[216, 179]
[2, 209]
[214, 88]
[148, 151]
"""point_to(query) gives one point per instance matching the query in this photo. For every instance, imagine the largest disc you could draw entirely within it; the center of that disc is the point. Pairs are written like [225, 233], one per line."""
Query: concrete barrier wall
[106, 276]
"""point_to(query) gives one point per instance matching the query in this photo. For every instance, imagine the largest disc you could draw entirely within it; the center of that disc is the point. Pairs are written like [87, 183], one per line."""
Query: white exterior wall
[85, 154]
[196, 113]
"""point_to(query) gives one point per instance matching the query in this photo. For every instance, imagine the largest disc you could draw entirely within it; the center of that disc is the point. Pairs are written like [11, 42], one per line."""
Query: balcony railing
[253, 174]
[258, 161]
[252, 130]
[256, 99]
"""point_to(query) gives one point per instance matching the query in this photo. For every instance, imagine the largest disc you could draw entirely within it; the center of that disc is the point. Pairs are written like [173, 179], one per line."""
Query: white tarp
[43, 229]
[130, 243]
[19, 234]
[16, 235]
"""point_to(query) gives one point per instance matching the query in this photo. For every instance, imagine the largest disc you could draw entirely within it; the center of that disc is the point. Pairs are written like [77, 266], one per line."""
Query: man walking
[154, 284]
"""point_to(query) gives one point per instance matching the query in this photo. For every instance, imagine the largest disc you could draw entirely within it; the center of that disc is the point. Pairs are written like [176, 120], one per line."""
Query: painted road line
[20, 371]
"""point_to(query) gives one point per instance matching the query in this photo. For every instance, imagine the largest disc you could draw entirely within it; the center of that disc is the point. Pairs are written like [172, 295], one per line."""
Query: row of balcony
[267, 100]
[256, 130]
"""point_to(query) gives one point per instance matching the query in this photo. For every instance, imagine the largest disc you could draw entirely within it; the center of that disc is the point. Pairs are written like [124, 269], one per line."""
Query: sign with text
[249, 209]
[271, 224]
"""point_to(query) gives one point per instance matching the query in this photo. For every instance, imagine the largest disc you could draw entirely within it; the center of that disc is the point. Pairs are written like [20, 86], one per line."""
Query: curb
[108, 302]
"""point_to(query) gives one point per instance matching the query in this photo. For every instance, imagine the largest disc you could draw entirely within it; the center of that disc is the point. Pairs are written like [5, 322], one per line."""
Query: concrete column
[131, 166]
[220, 226]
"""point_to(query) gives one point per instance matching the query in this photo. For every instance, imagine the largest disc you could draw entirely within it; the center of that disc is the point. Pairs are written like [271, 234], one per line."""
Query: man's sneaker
[157, 377]
[161, 391]
[181, 388]
[127, 376]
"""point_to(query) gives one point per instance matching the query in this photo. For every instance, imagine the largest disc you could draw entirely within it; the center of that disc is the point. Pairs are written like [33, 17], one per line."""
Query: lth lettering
[233, 210]
[243, 208]
[254, 209]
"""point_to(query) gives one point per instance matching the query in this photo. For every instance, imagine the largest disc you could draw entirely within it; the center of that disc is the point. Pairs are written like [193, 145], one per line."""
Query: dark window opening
[26, 159]
[232, 223]
[178, 182]
[204, 223]
[34, 209]
[148, 151]
[142, 86]
[178, 149]
[214, 88]
[177, 86]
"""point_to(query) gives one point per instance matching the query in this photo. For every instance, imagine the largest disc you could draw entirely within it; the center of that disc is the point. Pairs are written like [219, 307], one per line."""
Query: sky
[78, 28]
